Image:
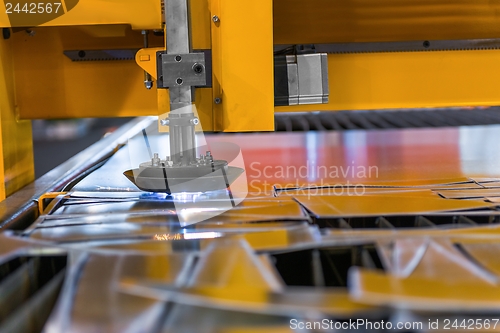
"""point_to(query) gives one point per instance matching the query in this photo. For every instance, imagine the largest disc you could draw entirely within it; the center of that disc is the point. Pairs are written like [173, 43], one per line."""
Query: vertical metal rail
[181, 116]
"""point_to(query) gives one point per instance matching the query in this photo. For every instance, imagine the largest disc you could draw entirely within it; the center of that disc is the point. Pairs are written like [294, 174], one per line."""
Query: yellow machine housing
[39, 81]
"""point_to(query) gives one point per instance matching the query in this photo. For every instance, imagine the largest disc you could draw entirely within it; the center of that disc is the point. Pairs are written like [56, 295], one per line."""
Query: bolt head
[215, 18]
[179, 81]
[164, 122]
[195, 121]
[217, 100]
[148, 84]
[198, 68]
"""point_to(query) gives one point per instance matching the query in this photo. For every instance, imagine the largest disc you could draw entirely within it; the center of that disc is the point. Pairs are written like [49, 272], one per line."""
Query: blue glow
[312, 155]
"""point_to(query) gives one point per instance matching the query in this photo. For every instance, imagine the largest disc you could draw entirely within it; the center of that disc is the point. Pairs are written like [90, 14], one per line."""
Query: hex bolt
[179, 81]
[155, 161]
[195, 121]
[198, 68]
[178, 58]
[216, 19]
[217, 100]
[164, 122]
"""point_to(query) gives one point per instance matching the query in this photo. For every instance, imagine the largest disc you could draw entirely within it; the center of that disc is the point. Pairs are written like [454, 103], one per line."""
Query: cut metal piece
[339, 206]
[405, 46]
[101, 55]
[470, 193]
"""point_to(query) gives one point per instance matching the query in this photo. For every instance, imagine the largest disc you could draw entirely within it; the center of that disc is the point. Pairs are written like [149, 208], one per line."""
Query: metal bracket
[191, 70]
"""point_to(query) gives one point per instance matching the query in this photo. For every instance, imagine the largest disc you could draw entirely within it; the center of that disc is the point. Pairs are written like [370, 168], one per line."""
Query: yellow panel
[98, 88]
[374, 287]
[243, 64]
[200, 24]
[410, 80]
[78, 89]
[16, 148]
[269, 239]
[326, 21]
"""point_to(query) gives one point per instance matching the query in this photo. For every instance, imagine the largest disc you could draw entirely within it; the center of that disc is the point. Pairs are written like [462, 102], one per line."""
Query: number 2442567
[32, 8]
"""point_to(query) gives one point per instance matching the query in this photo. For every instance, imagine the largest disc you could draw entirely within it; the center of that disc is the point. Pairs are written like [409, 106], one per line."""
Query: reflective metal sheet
[113, 311]
[494, 184]
[429, 263]
[252, 209]
[145, 272]
[405, 157]
[424, 158]
[486, 254]
[410, 157]
[159, 232]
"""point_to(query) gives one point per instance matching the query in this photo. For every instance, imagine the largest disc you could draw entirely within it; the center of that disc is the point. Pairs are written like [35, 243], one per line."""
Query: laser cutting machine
[198, 216]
